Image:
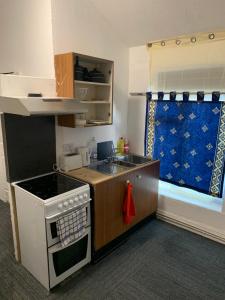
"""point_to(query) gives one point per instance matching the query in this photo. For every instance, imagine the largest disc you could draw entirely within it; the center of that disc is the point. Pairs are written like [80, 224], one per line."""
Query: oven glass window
[53, 230]
[68, 257]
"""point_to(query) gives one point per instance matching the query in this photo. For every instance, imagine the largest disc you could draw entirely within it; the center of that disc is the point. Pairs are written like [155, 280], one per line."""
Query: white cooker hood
[13, 97]
[39, 106]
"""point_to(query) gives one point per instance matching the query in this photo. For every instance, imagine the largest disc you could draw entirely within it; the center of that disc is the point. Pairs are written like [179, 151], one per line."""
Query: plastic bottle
[92, 145]
[120, 145]
[126, 146]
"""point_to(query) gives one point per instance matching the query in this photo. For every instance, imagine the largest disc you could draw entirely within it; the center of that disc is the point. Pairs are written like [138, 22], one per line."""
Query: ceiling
[140, 21]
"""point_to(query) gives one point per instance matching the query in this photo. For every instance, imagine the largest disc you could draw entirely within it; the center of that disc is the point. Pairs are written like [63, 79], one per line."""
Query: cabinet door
[108, 214]
[64, 74]
[145, 191]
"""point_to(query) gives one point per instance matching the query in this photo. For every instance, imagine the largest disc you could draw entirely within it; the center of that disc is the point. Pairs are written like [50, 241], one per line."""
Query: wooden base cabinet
[109, 198]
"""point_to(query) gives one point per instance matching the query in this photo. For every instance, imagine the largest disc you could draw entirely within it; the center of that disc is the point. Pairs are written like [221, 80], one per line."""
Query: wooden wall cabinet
[108, 203]
[96, 97]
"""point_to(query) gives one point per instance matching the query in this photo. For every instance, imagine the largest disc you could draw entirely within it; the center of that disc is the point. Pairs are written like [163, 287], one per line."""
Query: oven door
[52, 236]
[64, 261]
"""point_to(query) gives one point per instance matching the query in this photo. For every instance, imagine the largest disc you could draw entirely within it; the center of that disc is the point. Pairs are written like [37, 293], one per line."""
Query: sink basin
[135, 159]
[124, 163]
[107, 167]
[121, 164]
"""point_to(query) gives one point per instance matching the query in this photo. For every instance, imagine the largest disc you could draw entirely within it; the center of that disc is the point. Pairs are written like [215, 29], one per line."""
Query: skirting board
[191, 226]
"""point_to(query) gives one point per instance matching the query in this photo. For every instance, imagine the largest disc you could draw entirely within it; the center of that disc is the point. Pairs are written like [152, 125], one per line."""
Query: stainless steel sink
[115, 165]
[107, 167]
[124, 163]
[135, 159]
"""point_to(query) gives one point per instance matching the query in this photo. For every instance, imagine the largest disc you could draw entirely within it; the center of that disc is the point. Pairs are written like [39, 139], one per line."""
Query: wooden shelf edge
[94, 102]
[92, 83]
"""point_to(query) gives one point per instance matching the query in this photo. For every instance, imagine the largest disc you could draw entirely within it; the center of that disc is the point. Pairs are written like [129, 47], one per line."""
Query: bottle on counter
[92, 145]
[120, 146]
[126, 146]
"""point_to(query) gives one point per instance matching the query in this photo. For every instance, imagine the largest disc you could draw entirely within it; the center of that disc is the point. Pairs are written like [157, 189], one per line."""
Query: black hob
[51, 185]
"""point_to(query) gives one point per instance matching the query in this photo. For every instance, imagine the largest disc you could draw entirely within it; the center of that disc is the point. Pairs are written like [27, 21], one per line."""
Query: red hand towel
[128, 205]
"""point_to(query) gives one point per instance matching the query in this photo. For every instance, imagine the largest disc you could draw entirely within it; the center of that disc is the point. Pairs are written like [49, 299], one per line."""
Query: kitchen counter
[93, 177]
[88, 175]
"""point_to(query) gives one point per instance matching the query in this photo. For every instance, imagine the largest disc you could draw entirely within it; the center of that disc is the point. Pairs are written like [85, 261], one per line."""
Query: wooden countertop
[88, 175]
[93, 177]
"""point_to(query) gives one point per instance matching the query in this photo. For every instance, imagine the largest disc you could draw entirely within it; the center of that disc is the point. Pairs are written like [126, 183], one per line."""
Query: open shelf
[95, 97]
[92, 124]
[92, 83]
[95, 102]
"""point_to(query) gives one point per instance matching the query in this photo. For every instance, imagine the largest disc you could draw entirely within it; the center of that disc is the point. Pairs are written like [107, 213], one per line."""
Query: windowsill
[190, 196]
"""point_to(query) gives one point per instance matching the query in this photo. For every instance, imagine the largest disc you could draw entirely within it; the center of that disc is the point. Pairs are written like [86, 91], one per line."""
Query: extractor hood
[27, 106]
[13, 97]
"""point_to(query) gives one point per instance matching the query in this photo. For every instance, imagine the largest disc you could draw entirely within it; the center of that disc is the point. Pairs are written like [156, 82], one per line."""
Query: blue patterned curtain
[189, 140]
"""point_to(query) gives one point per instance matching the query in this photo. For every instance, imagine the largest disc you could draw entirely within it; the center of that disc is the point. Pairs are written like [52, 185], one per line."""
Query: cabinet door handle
[139, 176]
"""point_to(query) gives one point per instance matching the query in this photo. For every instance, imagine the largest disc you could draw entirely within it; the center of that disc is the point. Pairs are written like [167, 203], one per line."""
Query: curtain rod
[177, 93]
[192, 39]
[188, 101]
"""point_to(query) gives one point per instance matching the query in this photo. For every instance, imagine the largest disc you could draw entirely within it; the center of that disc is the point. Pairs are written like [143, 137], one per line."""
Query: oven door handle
[59, 246]
[67, 211]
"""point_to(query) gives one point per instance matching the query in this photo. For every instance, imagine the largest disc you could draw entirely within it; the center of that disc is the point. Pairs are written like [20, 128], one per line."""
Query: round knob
[71, 201]
[76, 199]
[65, 203]
[81, 197]
[60, 206]
[85, 196]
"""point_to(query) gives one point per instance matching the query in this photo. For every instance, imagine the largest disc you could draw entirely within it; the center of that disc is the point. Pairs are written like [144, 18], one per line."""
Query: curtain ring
[211, 36]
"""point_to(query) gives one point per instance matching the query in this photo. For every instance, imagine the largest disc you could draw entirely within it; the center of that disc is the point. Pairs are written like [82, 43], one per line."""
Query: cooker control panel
[73, 201]
[67, 203]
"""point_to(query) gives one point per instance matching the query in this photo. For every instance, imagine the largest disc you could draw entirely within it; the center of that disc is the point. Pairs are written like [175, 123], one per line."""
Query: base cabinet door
[145, 192]
[108, 205]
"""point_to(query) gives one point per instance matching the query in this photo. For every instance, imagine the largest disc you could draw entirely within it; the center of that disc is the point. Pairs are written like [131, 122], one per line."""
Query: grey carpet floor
[159, 261]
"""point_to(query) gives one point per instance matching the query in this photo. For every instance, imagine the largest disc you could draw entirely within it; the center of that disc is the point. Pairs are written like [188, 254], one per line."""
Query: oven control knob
[76, 199]
[65, 204]
[71, 201]
[85, 196]
[81, 197]
[60, 206]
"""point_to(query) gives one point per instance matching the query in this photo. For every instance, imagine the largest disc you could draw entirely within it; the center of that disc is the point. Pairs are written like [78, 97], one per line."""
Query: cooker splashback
[29, 144]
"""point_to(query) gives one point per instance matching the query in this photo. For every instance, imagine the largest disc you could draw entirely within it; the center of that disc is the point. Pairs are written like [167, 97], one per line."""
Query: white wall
[26, 37]
[26, 48]
[139, 66]
[204, 219]
[79, 27]
[136, 123]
